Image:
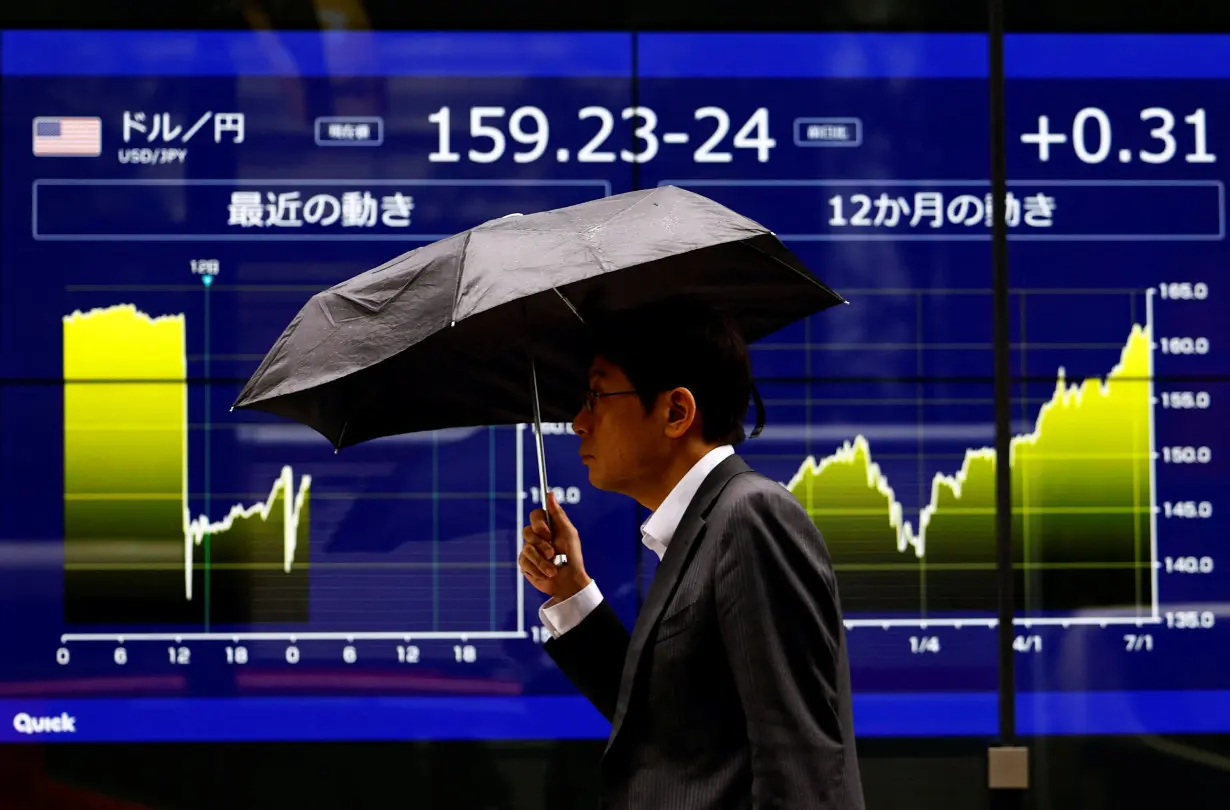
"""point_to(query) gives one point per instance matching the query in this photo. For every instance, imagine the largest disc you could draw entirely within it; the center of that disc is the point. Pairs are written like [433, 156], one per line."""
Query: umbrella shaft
[541, 450]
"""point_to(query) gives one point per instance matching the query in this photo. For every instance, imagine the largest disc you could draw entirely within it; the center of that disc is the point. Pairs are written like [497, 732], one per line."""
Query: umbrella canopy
[487, 327]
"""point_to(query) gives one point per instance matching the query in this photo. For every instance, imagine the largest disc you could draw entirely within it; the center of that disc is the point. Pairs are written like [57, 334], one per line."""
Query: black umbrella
[488, 327]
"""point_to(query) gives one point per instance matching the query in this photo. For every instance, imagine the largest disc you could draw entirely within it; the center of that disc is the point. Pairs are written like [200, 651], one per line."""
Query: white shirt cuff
[560, 617]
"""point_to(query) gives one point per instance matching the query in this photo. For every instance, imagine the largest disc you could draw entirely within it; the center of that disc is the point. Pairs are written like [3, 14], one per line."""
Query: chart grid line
[518, 540]
[1153, 500]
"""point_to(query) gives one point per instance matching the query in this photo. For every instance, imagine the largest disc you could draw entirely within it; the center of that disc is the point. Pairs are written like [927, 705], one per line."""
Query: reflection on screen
[170, 570]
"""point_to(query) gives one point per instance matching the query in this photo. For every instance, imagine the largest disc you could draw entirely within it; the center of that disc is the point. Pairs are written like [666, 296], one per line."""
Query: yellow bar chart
[134, 552]
[1083, 511]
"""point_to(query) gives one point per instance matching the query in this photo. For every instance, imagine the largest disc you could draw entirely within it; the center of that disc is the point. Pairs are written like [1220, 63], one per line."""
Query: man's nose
[580, 423]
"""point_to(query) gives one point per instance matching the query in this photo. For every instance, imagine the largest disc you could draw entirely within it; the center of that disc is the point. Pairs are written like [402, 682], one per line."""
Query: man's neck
[678, 467]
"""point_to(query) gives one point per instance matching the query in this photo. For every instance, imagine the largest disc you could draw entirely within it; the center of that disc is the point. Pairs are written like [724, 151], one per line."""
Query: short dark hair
[682, 344]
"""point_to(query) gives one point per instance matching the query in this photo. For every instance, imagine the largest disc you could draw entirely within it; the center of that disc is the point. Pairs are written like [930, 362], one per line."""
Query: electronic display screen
[171, 570]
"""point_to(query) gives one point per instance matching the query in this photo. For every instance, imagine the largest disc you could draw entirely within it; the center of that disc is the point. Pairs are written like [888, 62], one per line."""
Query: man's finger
[557, 512]
[533, 577]
[532, 538]
[544, 566]
[543, 547]
[538, 520]
[529, 570]
[544, 563]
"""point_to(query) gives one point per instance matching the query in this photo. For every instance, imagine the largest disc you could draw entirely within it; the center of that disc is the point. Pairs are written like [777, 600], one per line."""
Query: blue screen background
[413, 539]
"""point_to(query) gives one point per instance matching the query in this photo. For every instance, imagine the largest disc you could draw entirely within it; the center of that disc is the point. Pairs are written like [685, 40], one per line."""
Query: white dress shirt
[656, 534]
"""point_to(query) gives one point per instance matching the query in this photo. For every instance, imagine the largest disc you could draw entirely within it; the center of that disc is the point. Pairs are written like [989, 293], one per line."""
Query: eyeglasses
[592, 397]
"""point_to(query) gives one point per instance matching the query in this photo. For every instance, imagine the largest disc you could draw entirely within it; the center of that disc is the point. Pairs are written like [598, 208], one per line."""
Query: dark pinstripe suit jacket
[733, 689]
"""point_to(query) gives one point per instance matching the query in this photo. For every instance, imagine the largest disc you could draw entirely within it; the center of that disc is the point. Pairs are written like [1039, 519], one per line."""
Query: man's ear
[681, 412]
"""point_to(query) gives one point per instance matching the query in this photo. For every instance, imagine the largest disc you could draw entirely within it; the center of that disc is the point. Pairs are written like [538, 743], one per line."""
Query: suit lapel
[666, 578]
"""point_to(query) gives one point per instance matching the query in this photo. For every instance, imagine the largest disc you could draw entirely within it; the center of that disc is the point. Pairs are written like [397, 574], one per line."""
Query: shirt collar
[657, 531]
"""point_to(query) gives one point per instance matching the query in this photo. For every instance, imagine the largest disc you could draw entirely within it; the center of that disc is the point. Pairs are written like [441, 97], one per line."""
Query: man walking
[732, 690]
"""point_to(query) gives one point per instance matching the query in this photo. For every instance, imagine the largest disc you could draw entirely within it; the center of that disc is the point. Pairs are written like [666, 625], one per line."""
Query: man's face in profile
[620, 442]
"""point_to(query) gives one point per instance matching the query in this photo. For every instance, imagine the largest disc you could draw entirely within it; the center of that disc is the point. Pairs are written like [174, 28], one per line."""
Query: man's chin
[598, 481]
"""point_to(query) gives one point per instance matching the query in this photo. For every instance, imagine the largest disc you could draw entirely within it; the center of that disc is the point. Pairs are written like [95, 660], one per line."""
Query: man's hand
[542, 543]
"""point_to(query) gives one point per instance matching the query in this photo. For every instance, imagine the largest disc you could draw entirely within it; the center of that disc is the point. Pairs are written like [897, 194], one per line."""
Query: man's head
[668, 382]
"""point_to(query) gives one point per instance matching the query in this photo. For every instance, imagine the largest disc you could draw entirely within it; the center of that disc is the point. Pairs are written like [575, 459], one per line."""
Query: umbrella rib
[605, 223]
[568, 303]
[792, 269]
[465, 243]
[629, 207]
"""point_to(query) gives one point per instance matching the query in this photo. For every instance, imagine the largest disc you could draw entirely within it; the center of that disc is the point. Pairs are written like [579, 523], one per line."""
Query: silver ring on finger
[560, 560]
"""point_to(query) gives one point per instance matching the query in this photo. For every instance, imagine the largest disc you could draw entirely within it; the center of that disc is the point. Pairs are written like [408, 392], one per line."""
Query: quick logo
[65, 723]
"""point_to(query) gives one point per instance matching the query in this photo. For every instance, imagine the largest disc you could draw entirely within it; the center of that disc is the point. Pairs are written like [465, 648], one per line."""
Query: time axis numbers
[1091, 137]
[933, 644]
[239, 654]
[490, 129]
[1030, 644]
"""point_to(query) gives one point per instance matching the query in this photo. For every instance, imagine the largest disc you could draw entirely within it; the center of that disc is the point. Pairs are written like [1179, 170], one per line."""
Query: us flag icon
[67, 137]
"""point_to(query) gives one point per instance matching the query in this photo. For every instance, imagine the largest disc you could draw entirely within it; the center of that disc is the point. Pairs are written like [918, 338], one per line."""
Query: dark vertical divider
[1004, 798]
[1003, 382]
